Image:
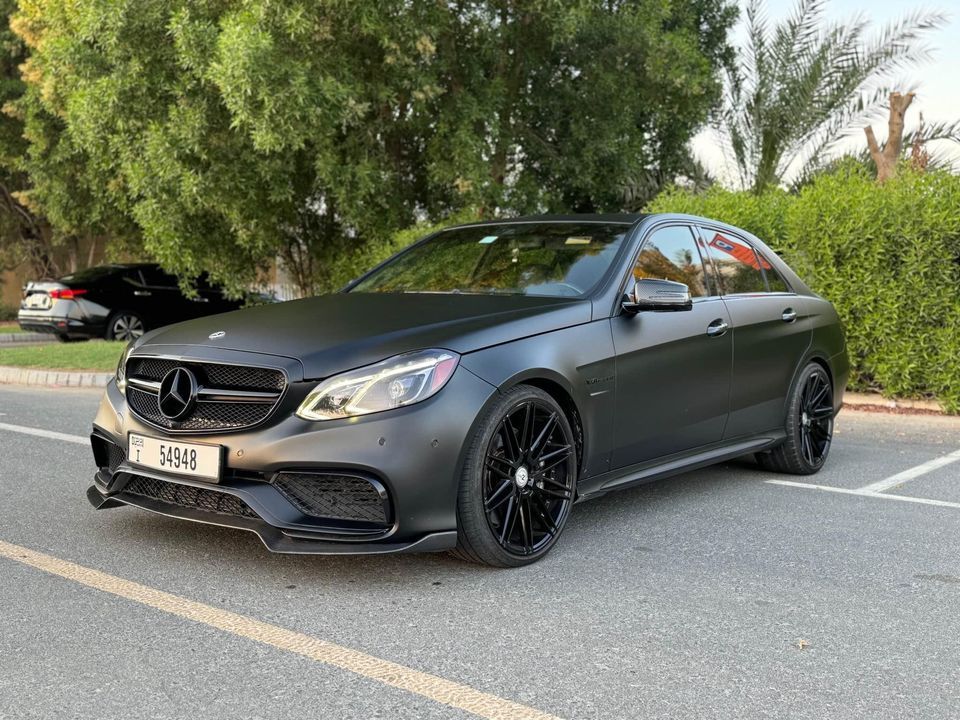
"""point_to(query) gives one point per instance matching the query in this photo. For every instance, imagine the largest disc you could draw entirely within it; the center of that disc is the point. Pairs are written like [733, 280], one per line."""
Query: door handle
[717, 328]
[142, 293]
[789, 315]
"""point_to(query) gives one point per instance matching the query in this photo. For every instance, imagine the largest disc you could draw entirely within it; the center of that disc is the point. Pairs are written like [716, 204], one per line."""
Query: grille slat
[188, 496]
[206, 416]
[337, 497]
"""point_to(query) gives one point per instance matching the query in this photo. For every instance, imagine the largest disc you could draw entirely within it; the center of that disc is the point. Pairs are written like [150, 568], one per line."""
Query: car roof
[610, 218]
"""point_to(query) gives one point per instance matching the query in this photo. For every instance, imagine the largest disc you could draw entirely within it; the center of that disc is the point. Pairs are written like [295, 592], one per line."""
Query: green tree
[24, 236]
[222, 133]
[799, 85]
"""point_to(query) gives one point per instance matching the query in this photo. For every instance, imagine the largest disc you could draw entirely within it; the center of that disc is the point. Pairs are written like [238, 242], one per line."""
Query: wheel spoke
[821, 394]
[526, 532]
[543, 513]
[509, 520]
[500, 495]
[559, 494]
[491, 465]
[821, 413]
[544, 434]
[527, 432]
[556, 457]
[510, 441]
[807, 446]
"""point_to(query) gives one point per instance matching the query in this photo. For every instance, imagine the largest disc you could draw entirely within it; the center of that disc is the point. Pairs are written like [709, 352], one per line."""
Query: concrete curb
[26, 337]
[52, 378]
[854, 399]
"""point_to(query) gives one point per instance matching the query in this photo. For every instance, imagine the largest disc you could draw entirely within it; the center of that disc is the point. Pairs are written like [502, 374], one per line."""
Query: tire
[809, 426]
[125, 325]
[518, 484]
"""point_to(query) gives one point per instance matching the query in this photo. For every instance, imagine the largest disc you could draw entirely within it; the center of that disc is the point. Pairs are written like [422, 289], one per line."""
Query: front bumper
[414, 454]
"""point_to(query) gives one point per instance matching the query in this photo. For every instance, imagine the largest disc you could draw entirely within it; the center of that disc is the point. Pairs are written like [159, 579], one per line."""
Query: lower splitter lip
[275, 540]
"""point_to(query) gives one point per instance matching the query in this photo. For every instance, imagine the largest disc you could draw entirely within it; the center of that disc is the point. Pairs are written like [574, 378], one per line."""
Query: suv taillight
[66, 293]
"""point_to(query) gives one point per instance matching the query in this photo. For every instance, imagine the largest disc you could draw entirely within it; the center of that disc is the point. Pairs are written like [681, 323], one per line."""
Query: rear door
[771, 332]
[161, 299]
[673, 368]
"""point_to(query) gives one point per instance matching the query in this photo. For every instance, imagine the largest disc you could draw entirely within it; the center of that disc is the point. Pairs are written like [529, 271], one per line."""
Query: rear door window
[155, 277]
[737, 263]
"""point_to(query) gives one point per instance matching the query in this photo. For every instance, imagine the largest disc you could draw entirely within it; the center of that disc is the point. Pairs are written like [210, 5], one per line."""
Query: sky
[937, 82]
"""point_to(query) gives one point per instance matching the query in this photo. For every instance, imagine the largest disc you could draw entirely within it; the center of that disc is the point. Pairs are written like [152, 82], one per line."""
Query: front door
[673, 368]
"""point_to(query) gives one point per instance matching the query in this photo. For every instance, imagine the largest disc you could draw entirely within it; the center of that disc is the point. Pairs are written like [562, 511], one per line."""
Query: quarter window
[774, 278]
[671, 254]
[737, 263]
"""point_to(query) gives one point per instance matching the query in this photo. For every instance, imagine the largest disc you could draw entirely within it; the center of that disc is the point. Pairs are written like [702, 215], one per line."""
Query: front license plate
[179, 458]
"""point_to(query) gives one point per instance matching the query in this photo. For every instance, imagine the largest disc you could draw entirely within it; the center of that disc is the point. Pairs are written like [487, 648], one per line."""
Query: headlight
[121, 374]
[401, 380]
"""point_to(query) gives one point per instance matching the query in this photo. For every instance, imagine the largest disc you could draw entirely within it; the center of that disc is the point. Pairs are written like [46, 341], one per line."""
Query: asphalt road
[714, 595]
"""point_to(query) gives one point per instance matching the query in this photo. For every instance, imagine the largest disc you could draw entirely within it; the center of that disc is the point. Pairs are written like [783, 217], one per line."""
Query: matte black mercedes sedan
[466, 393]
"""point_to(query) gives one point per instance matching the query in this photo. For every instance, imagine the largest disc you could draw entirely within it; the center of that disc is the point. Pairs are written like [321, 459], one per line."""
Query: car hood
[334, 333]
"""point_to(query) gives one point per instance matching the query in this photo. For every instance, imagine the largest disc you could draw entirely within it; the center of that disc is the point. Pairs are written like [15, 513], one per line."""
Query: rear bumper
[54, 325]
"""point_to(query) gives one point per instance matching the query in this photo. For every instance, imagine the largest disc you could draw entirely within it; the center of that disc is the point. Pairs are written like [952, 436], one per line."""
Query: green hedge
[888, 257]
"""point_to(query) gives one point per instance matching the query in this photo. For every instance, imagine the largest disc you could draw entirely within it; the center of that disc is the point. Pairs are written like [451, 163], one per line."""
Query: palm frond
[805, 83]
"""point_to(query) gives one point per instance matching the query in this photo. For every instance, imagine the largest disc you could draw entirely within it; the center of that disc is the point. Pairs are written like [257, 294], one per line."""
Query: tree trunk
[886, 159]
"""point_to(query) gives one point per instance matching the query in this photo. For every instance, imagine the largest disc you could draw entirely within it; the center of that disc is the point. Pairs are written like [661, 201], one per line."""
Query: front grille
[207, 415]
[338, 497]
[227, 377]
[188, 496]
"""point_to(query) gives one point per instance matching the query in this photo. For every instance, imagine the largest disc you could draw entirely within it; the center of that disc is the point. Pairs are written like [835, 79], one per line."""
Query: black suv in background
[116, 302]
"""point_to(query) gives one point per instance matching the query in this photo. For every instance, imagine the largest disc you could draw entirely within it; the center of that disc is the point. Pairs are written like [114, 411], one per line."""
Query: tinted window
[671, 254]
[92, 275]
[775, 280]
[554, 259]
[737, 263]
[155, 277]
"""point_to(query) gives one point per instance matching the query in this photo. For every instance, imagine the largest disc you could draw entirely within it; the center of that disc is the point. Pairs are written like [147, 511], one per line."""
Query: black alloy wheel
[809, 426]
[520, 481]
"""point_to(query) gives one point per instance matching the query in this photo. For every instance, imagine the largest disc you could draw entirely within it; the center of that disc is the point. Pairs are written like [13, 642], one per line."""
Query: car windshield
[560, 259]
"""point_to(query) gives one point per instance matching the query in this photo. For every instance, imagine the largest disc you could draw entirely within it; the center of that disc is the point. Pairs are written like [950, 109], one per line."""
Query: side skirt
[664, 468]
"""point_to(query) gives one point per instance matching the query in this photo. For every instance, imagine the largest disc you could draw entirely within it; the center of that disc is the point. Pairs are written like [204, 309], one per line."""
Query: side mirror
[657, 296]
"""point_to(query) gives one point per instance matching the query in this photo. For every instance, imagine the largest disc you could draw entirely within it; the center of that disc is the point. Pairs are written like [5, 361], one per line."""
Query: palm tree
[800, 85]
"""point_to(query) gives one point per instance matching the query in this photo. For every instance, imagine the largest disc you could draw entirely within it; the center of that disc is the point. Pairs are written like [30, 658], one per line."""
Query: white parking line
[914, 472]
[865, 493]
[49, 434]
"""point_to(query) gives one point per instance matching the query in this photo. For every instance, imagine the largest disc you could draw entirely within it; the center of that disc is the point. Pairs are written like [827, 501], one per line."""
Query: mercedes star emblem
[178, 393]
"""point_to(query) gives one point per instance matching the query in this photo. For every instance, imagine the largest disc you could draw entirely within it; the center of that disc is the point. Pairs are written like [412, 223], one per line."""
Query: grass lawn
[9, 328]
[95, 355]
